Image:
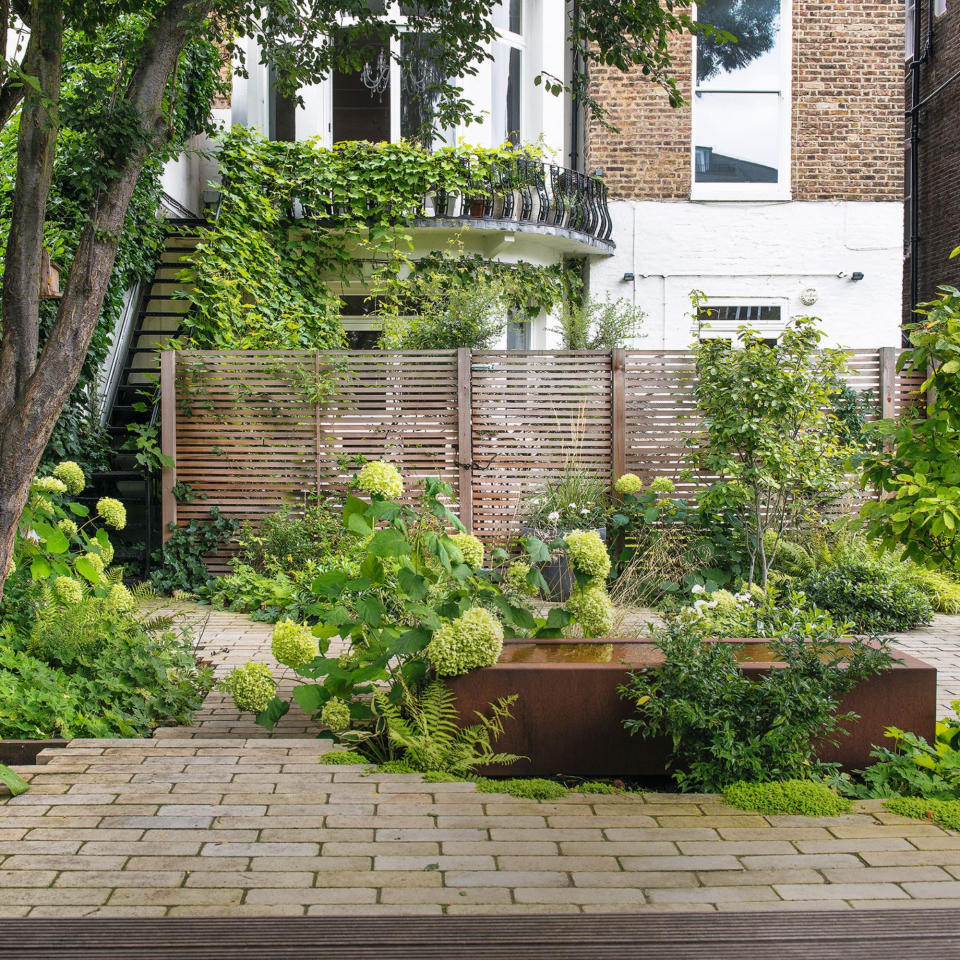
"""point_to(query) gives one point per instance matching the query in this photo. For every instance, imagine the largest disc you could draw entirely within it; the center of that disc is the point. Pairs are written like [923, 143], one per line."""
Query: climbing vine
[295, 218]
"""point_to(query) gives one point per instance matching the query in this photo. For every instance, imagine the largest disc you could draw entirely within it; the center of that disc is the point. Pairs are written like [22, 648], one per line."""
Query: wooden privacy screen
[251, 431]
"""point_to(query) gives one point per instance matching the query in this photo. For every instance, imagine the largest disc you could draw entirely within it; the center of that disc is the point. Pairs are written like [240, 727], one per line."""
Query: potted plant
[577, 499]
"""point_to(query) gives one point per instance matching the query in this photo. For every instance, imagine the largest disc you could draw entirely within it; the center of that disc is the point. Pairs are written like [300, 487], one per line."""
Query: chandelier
[419, 66]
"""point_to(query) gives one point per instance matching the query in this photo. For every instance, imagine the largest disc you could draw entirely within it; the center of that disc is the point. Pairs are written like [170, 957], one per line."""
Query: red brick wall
[939, 165]
[846, 119]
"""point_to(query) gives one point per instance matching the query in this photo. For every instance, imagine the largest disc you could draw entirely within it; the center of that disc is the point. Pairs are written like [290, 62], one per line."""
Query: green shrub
[343, 757]
[800, 797]
[869, 594]
[939, 587]
[535, 788]
[944, 812]
[913, 767]
[180, 563]
[286, 541]
[726, 727]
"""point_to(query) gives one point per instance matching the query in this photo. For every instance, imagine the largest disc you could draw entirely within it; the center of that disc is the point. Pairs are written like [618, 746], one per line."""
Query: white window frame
[517, 41]
[781, 190]
[444, 137]
[726, 331]
[908, 35]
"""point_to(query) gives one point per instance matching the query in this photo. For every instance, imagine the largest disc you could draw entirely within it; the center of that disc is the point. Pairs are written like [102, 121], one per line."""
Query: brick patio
[222, 819]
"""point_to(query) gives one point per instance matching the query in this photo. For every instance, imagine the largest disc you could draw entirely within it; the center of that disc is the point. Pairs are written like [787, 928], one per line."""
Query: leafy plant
[145, 440]
[424, 728]
[574, 500]
[181, 561]
[414, 584]
[343, 758]
[13, 781]
[795, 797]
[768, 433]
[598, 325]
[868, 594]
[726, 727]
[913, 767]
[916, 470]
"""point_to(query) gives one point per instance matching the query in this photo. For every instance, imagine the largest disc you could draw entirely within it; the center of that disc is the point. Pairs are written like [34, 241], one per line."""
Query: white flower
[585, 512]
[571, 506]
[32, 536]
[698, 588]
[710, 604]
[698, 605]
[553, 516]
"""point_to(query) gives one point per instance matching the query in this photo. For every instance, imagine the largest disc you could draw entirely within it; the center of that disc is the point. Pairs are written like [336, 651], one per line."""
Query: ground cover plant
[944, 812]
[78, 658]
[793, 797]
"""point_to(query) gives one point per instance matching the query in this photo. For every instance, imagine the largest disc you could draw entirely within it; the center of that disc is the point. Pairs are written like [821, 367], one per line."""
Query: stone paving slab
[114, 850]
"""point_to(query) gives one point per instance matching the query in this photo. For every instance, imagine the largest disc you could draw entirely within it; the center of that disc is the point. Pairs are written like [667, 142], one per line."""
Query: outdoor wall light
[856, 276]
[628, 278]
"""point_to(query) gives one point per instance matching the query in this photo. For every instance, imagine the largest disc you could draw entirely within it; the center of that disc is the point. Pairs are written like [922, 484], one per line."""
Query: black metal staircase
[132, 398]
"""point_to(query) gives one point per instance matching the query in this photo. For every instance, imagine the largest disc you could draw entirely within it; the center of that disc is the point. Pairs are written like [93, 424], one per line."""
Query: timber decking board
[826, 935]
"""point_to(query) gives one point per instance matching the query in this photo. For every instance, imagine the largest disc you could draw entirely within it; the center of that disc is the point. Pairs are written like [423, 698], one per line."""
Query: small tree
[599, 324]
[769, 435]
[917, 471]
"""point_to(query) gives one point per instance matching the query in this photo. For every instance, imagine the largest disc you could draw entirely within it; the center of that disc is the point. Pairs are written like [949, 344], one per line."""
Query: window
[722, 321]
[362, 330]
[909, 37]
[282, 111]
[940, 7]
[506, 113]
[741, 104]
[518, 335]
[391, 97]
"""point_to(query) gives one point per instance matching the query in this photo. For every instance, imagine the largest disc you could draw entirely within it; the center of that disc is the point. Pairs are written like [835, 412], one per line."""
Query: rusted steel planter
[569, 717]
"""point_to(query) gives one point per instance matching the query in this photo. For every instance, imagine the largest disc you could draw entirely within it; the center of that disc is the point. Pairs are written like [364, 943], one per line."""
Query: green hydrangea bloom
[112, 512]
[629, 483]
[50, 485]
[724, 599]
[590, 606]
[252, 686]
[95, 561]
[662, 485]
[119, 599]
[516, 579]
[68, 590]
[471, 641]
[105, 550]
[71, 474]
[588, 553]
[293, 644]
[335, 714]
[41, 504]
[471, 548]
[68, 527]
[381, 479]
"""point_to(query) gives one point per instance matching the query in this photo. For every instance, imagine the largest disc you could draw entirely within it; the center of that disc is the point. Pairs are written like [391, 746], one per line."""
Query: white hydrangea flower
[698, 588]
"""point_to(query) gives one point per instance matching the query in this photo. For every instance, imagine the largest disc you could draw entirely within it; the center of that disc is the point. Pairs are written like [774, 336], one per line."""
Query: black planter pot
[558, 573]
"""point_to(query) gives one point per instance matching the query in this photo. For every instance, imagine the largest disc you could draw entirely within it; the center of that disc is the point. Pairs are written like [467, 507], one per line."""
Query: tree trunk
[33, 391]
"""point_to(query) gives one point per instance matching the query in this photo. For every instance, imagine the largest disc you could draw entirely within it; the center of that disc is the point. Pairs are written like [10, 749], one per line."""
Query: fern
[426, 728]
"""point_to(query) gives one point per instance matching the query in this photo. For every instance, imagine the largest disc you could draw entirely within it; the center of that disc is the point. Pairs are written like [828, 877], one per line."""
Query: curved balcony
[526, 196]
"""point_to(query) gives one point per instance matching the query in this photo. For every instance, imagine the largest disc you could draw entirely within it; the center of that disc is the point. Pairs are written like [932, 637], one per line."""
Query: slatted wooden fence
[251, 431]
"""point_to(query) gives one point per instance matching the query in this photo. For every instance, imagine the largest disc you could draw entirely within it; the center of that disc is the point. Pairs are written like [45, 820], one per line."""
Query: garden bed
[569, 715]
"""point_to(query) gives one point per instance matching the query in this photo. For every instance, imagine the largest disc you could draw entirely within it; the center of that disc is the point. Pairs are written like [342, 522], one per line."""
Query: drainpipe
[919, 55]
[574, 101]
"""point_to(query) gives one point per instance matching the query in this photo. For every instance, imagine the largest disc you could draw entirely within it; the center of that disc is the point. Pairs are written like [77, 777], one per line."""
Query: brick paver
[205, 821]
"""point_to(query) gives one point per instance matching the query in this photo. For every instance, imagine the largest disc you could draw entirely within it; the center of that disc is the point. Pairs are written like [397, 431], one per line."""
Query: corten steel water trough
[568, 718]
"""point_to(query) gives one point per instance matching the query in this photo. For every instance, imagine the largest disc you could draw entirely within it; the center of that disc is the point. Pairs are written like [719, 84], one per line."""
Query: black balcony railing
[514, 193]
[525, 191]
